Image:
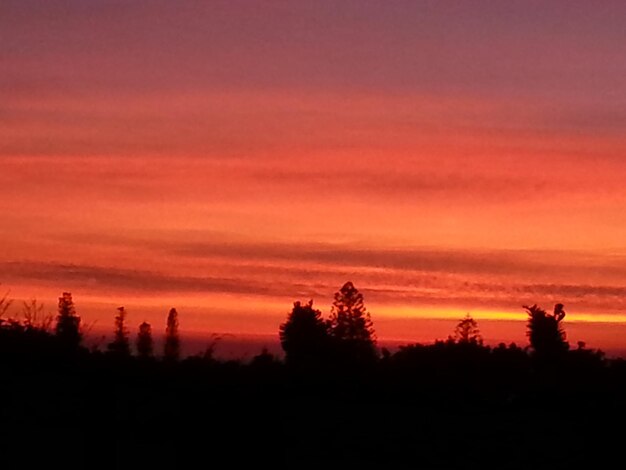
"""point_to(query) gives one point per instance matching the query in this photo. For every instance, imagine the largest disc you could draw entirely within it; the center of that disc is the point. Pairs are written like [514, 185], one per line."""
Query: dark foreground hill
[446, 408]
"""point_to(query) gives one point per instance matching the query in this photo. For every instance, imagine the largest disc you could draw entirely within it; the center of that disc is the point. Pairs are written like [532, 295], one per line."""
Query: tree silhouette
[34, 318]
[546, 335]
[171, 350]
[467, 331]
[304, 336]
[350, 324]
[145, 345]
[120, 344]
[5, 303]
[68, 322]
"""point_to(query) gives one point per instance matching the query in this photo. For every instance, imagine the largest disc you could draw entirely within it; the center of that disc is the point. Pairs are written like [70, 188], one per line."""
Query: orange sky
[232, 157]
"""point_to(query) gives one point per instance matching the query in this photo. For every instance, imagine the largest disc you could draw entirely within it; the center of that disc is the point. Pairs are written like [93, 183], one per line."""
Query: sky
[231, 157]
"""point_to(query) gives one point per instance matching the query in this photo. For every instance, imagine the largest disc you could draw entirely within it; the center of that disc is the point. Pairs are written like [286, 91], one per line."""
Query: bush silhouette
[5, 303]
[34, 317]
[144, 342]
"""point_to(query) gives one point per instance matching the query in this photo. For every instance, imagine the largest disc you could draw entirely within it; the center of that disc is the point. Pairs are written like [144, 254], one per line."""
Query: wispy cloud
[411, 277]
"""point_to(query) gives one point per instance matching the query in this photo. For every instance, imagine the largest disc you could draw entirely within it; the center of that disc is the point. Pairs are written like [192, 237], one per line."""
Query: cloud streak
[412, 278]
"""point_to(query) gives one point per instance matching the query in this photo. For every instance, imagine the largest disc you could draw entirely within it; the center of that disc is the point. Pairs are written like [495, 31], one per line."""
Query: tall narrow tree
[171, 349]
[67, 328]
[350, 324]
[144, 343]
[120, 344]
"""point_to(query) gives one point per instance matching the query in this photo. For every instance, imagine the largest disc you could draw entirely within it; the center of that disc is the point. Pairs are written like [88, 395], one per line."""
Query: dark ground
[104, 413]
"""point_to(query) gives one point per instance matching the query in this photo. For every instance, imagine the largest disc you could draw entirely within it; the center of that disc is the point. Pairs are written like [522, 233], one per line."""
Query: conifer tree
[67, 327]
[350, 324]
[171, 349]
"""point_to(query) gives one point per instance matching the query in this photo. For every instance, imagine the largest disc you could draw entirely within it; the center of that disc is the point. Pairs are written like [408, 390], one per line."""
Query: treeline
[335, 397]
[346, 338]
[34, 332]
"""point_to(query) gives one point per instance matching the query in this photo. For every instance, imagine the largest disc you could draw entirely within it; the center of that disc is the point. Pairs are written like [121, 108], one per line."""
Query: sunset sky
[231, 157]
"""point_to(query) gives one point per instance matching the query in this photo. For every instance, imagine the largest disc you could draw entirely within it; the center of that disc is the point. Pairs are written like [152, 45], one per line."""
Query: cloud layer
[242, 155]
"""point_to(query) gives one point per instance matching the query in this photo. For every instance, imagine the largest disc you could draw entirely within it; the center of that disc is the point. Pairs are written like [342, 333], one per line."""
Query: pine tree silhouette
[351, 326]
[120, 344]
[171, 349]
[467, 331]
[67, 328]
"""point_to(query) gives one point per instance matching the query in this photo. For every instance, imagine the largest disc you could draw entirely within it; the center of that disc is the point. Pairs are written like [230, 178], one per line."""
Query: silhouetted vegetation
[171, 349]
[350, 326]
[304, 336]
[5, 303]
[467, 331]
[68, 322]
[120, 345]
[333, 398]
[34, 316]
[546, 335]
[144, 343]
